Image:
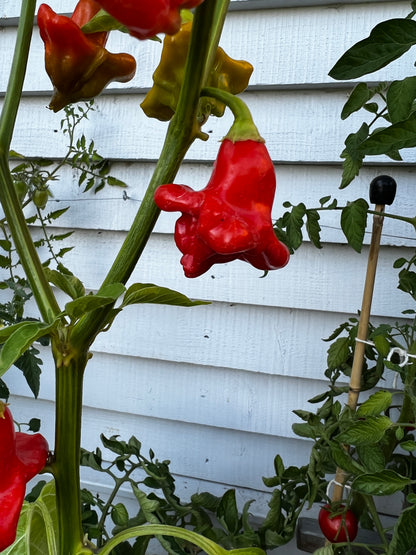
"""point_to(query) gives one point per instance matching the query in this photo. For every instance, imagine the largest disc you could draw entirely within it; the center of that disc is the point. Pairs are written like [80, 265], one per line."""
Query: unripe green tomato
[40, 198]
[21, 189]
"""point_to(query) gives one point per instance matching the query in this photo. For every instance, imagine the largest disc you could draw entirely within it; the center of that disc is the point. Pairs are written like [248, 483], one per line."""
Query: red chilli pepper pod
[78, 64]
[147, 18]
[231, 217]
[22, 456]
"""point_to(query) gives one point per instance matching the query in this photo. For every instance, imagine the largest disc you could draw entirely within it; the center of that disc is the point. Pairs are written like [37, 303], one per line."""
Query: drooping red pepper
[231, 217]
[78, 64]
[146, 18]
[22, 456]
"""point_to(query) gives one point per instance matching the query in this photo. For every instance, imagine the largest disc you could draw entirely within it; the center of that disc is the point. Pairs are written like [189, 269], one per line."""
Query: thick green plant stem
[11, 205]
[66, 465]
[182, 131]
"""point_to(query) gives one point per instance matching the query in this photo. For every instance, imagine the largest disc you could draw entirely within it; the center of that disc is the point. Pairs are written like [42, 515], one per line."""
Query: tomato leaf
[375, 404]
[338, 352]
[387, 41]
[354, 221]
[400, 98]
[385, 482]
[395, 137]
[367, 431]
[360, 95]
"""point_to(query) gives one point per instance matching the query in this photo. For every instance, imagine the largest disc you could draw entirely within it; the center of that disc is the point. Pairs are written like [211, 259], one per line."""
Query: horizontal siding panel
[233, 399]
[312, 279]
[11, 9]
[114, 208]
[286, 120]
[200, 452]
[295, 48]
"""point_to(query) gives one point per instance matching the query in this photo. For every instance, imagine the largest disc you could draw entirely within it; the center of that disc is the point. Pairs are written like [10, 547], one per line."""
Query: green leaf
[119, 515]
[404, 534]
[65, 281]
[387, 42]
[375, 404]
[344, 460]
[354, 221]
[37, 530]
[30, 364]
[21, 339]
[304, 430]
[150, 293]
[102, 21]
[338, 353]
[294, 224]
[353, 155]
[360, 95]
[395, 137]
[386, 482]
[313, 228]
[400, 98]
[409, 445]
[371, 456]
[367, 431]
[107, 295]
[227, 512]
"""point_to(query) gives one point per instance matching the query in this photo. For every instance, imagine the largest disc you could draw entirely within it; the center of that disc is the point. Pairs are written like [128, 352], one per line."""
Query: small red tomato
[339, 528]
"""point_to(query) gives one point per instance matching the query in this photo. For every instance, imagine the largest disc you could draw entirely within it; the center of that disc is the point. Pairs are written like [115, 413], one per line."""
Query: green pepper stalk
[182, 131]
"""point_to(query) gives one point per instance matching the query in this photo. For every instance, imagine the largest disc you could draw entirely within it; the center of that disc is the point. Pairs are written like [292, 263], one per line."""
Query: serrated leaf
[360, 95]
[367, 431]
[30, 364]
[150, 293]
[294, 224]
[338, 352]
[386, 42]
[375, 404]
[354, 222]
[400, 97]
[313, 228]
[386, 482]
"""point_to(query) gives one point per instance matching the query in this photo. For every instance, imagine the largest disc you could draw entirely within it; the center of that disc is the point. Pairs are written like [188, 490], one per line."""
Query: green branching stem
[8, 197]
[182, 131]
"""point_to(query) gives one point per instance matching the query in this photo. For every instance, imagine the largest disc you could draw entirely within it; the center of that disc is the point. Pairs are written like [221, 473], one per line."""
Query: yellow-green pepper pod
[226, 74]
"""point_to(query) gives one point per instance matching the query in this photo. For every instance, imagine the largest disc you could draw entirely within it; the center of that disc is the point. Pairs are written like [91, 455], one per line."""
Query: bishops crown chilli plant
[229, 219]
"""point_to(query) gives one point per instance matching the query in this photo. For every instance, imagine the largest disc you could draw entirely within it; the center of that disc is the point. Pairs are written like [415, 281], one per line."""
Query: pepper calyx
[243, 128]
